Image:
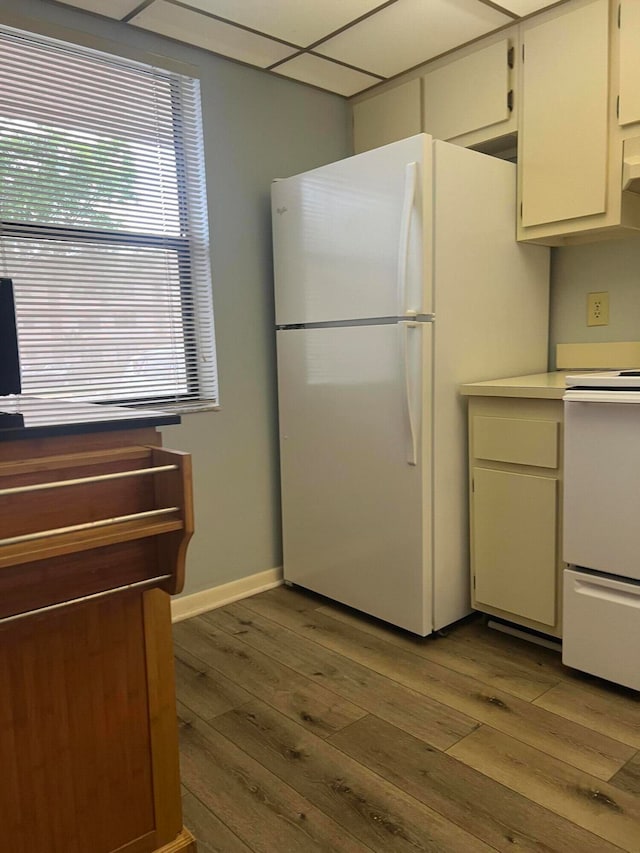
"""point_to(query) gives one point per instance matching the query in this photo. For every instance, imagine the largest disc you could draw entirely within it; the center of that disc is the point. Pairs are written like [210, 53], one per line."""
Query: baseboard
[199, 602]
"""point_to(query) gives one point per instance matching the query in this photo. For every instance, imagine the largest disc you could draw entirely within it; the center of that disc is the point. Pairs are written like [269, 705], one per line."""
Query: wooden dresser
[95, 518]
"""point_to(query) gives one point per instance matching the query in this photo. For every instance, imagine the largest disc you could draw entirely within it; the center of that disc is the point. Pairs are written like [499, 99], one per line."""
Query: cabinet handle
[81, 481]
[89, 525]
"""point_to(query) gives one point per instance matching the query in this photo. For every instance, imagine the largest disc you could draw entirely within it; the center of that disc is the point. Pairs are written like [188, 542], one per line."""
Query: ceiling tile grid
[190, 26]
[296, 21]
[308, 68]
[342, 46]
[409, 32]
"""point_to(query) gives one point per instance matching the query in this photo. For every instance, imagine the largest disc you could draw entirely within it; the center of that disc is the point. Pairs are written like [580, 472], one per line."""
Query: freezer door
[601, 476]
[352, 240]
[355, 438]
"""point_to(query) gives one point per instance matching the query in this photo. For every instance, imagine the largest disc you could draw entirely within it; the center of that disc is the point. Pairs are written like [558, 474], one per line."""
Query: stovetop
[623, 380]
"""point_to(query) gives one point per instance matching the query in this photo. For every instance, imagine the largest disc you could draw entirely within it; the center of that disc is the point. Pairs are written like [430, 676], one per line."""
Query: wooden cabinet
[470, 98]
[383, 118]
[515, 472]
[93, 534]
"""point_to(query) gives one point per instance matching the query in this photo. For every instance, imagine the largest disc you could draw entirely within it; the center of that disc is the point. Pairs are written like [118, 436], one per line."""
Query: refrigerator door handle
[410, 183]
[412, 456]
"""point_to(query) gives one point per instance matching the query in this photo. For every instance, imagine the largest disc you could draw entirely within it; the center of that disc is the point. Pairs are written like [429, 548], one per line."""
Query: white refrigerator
[397, 277]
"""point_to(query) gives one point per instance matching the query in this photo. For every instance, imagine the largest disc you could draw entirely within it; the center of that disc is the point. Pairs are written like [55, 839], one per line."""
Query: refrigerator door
[352, 239]
[355, 461]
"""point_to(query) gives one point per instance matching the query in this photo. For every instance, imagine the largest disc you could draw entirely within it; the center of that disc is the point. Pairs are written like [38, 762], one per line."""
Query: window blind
[103, 226]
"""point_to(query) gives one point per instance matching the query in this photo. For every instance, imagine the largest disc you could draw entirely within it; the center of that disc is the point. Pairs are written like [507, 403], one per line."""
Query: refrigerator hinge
[474, 583]
[510, 100]
[510, 57]
[618, 107]
[523, 53]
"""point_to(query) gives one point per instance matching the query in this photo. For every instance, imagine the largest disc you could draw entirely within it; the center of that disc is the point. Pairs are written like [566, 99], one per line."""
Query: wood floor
[305, 727]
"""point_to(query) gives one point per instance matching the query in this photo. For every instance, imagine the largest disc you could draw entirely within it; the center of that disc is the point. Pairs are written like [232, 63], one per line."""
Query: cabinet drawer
[517, 440]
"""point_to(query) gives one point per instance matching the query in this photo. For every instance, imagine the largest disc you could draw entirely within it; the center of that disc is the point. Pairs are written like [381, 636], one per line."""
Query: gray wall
[612, 266]
[256, 127]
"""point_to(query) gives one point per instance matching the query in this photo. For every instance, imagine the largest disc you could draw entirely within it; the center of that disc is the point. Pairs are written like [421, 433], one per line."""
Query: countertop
[36, 417]
[550, 386]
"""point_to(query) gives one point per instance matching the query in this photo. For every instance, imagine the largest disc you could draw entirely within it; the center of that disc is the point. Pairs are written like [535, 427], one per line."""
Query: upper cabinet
[562, 150]
[564, 85]
[629, 81]
[391, 115]
[579, 61]
[467, 97]
[470, 98]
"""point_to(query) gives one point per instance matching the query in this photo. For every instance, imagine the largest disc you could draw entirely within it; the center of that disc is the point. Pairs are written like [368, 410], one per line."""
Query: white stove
[601, 609]
[607, 386]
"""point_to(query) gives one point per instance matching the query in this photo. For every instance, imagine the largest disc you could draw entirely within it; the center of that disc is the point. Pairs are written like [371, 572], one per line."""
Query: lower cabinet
[515, 471]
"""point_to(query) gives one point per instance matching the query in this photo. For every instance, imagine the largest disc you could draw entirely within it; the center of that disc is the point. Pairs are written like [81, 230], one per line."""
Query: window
[103, 226]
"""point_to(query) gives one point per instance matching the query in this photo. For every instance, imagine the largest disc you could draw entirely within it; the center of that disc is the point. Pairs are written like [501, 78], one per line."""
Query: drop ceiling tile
[202, 31]
[298, 21]
[410, 32]
[326, 74]
[113, 9]
[525, 7]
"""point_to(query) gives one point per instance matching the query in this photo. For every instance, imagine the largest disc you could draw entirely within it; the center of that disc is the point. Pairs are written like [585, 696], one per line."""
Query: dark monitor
[9, 356]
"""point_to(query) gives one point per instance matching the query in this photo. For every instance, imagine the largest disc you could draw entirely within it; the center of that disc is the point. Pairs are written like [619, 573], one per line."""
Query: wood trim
[75, 460]
[184, 843]
[144, 844]
[36, 448]
[174, 488]
[163, 722]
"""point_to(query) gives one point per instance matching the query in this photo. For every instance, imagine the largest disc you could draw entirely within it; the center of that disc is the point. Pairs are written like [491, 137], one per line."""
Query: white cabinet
[471, 94]
[515, 473]
[391, 115]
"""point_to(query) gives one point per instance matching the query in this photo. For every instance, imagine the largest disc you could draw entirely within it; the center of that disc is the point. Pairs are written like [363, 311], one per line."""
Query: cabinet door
[563, 149]
[392, 115]
[468, 94]
[514, 543]
[629, 110]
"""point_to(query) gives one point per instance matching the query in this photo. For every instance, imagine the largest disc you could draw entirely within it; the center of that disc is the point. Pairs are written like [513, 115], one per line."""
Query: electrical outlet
[598, 309]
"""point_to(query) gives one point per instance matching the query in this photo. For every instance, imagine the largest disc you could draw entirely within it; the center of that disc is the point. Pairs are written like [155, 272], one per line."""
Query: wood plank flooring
[307, 727]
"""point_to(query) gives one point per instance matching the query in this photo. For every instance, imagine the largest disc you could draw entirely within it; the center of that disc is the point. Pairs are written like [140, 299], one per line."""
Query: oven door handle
[605, 592]
[594, 395]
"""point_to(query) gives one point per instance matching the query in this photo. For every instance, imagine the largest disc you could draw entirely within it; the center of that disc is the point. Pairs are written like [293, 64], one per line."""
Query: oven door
[602, 481]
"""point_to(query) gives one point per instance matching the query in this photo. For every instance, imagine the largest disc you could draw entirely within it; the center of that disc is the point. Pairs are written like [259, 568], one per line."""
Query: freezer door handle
[410, 183]
[407, 330]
